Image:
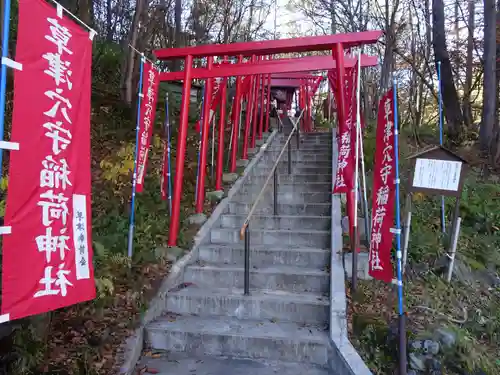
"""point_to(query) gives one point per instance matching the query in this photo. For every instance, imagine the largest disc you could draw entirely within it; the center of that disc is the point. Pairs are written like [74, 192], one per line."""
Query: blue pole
[169, 162]
[3, 79]
[402, 324]
[199, 144]
[134, 178]
[440, 100]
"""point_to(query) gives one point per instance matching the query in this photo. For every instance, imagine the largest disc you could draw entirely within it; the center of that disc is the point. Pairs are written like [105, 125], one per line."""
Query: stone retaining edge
[344, 359]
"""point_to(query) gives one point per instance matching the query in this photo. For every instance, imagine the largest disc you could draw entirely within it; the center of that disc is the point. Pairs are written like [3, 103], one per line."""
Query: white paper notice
[437, 174]
[80, 236]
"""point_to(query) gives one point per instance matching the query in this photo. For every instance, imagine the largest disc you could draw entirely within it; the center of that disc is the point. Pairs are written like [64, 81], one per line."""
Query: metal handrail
[244, 231]
[259, 196]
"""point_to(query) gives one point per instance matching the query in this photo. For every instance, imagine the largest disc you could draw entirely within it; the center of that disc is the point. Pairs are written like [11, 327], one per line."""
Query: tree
[488, 133]
[452, 108]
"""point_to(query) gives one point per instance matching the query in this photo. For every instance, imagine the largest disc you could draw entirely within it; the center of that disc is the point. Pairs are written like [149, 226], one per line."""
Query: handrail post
[289, 158]
[275, 188]
[297, 135]
[246, 287]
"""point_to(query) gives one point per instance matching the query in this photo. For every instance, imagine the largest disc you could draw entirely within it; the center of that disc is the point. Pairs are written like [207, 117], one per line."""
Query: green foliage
[379, 352]
[29, 348]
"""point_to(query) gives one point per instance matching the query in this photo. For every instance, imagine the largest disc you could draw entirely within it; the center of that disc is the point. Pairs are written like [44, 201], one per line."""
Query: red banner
[344, 178]
[384, 189]
[214, 103]
[47, 258]
[150, 82]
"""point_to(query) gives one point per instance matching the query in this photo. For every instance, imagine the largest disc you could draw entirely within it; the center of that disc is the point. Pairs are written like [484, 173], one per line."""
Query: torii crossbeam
[304, 64]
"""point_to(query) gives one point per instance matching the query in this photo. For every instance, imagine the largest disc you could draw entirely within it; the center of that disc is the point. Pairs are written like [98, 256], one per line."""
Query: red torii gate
[256, 50]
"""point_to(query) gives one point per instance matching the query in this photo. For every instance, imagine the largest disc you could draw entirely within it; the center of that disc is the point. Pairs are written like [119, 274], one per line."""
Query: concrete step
[271, 156]
[273, 237]
[230, 336]
[296, 169]
[278, 222]
[257, 177]
[270, 277]
[310, 209]
[316, 141]
[287, 187]
[306, 163]
[303, 148]
[171, 363]
[309, 150]
[260, 305]
[295, 197]
[263, 255]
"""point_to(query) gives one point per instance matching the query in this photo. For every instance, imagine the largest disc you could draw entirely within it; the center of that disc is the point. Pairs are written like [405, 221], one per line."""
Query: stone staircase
[283, 326]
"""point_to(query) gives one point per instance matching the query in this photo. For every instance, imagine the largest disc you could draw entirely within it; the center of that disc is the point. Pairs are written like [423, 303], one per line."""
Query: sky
[283, 17]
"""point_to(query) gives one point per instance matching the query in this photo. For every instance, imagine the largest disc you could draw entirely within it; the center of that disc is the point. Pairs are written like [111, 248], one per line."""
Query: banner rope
[60, 8]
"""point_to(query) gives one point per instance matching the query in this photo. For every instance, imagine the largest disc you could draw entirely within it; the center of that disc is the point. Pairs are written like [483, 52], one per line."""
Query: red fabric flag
[47, 258]
[344, 177]
[150, 82]
[384, 189]
[214, 103]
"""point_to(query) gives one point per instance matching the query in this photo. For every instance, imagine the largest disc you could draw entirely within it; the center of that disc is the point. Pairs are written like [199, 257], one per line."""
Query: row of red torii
[255, 65]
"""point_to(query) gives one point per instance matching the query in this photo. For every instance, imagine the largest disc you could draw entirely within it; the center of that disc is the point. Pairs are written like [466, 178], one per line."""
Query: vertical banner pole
[365, 194]
[169, 158]
[453, 252]
[233, 124]
[220, 145]
[402, 323]
[262, 93]
[236, 118]
[268, 104]
[407, 226]
[248, 116]
[134, 177]
[181, 152]
[3, 82]
[253, 139]
[356, 163]
[440, 99]
[199, 142]
[212, 154]
[329, 103]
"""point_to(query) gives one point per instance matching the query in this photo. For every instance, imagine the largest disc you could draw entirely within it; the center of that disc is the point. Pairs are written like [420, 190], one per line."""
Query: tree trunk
[109, 21]
[128, 69]
[176, 64]
[488, 132]
[85, 11]
[452, 109]
[468, 65]
[497, 110]
[385, 74]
